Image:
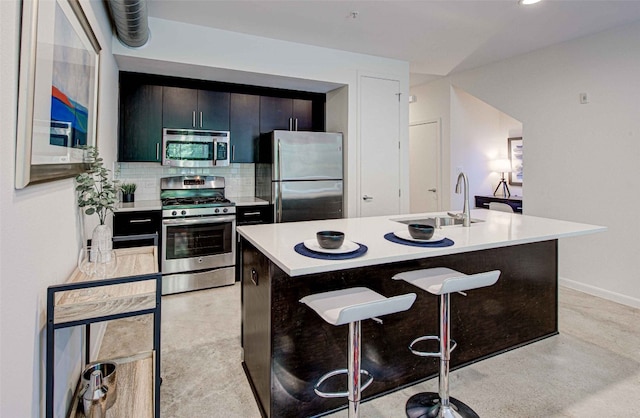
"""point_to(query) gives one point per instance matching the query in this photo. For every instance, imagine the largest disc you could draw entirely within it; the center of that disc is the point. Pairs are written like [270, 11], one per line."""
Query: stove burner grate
[197, 200]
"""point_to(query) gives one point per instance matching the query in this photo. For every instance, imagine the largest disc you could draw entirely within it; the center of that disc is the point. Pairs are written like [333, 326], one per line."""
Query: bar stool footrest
[316, 387]
[425, 353]
[427, 405]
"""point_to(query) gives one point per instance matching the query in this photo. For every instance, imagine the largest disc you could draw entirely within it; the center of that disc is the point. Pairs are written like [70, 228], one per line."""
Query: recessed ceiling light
[528, 2]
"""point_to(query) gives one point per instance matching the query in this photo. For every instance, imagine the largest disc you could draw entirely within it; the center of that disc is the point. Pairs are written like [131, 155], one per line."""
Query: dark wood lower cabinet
[287, 346]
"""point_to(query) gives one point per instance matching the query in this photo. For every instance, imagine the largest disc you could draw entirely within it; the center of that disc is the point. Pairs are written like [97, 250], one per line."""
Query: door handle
[432, 190]
[367, 198]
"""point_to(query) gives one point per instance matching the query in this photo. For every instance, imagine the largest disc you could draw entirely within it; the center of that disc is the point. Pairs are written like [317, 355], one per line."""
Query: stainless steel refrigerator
[300, 174]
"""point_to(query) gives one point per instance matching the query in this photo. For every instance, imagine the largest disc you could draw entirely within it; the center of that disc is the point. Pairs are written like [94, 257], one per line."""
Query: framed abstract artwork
[515, 155]
[58, 91]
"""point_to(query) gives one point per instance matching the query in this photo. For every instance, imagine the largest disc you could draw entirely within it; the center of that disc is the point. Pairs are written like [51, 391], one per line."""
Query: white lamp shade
[502, 165]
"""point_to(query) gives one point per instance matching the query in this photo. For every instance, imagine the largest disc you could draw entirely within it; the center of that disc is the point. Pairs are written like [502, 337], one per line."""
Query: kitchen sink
[444, 221]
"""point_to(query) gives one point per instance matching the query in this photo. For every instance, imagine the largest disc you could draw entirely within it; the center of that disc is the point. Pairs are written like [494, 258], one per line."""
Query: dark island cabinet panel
[195, 109]
[140, 123]
[244, 125]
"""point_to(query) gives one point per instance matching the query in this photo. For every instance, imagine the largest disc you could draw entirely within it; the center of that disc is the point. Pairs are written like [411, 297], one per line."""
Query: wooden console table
[134, 289]
[514, 201]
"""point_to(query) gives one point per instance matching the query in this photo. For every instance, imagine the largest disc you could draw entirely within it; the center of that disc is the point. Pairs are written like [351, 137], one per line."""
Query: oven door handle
[203, 220]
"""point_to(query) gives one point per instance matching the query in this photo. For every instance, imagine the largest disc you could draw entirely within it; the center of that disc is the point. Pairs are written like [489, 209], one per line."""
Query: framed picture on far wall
[515, 155]
[58, 91]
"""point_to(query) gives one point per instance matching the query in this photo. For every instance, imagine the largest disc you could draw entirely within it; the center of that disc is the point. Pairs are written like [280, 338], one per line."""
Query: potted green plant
[128, 190]
[97, 193]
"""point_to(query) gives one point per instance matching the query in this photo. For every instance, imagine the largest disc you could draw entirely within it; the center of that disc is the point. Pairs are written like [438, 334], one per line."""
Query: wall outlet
[584, 99]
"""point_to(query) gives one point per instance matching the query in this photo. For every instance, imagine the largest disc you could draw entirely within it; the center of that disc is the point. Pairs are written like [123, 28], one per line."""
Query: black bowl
[421, 231]
[330, 239]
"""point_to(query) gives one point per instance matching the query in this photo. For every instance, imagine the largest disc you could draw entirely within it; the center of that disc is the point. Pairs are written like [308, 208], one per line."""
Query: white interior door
[379, 147]
[424, 166]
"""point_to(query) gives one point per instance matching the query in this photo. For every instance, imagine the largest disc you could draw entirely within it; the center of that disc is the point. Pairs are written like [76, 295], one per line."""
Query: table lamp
[502, 165]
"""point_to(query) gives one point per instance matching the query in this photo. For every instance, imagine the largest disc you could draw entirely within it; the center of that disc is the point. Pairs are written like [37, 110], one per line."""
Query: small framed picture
[515, 155]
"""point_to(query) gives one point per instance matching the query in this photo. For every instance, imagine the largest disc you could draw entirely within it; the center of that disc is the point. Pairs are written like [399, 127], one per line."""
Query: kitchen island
[287, 347]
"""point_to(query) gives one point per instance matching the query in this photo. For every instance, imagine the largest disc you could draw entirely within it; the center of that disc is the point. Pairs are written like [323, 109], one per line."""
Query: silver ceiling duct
[130, 18]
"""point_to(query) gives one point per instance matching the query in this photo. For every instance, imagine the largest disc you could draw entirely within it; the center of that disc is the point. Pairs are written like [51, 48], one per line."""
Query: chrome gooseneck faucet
[466, 216]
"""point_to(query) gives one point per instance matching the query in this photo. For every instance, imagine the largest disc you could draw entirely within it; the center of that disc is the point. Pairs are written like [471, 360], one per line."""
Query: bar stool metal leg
[354, 369]
[440, 405]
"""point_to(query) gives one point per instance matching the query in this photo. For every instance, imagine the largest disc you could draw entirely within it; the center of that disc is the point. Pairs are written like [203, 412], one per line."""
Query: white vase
[101, 240]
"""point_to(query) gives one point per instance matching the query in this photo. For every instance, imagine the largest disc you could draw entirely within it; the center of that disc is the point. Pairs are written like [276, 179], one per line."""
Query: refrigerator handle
[279, 201]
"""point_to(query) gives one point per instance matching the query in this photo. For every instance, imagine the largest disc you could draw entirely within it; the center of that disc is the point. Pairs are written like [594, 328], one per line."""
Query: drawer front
[135, 223]
[483, 202]
[249, 215]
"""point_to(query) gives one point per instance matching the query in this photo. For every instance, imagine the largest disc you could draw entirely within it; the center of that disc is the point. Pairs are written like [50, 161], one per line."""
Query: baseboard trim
[599, 292]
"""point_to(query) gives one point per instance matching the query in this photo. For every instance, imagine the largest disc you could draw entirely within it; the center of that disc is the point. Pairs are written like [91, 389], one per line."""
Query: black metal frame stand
[52, 326]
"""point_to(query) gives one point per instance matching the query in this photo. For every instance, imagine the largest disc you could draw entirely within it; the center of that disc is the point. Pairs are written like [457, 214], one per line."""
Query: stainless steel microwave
[195, 148]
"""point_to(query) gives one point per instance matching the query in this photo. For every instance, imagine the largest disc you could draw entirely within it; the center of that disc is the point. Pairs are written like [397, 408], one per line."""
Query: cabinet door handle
[233, 152]
[139, 221]
[295, 128]
[367, 198]
[193, 119]
[157, 151]
[291, 124]
[201, 119]
[251, 213]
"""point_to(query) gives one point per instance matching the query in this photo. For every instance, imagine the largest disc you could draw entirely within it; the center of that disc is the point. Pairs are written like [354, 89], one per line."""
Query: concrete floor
[592, 369]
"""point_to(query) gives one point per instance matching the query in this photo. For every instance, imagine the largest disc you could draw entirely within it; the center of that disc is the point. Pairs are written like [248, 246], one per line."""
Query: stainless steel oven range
[198, 234]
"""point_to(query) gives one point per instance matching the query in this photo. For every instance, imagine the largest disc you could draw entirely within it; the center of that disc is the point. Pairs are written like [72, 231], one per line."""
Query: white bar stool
[351, 306]
[442, 281]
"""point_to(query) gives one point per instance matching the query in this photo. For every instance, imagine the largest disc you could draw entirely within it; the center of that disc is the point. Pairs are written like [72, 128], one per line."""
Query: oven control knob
[217, 211]
[174, 213]
[184, 212]
[225, 210]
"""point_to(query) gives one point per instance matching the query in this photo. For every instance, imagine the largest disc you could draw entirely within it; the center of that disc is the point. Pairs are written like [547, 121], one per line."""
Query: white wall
[222, 51]
[473, 132]
[433, 102]
[39, 230]
[580, 159]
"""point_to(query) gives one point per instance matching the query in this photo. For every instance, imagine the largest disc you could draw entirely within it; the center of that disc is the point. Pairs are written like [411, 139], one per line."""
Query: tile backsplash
[239, 178]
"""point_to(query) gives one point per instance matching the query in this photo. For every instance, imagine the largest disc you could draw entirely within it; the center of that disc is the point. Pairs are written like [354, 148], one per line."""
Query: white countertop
[139, 205]
[500, 229]
[248, 201]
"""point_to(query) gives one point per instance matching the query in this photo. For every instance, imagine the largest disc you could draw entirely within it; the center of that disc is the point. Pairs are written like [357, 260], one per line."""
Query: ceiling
[437, 37]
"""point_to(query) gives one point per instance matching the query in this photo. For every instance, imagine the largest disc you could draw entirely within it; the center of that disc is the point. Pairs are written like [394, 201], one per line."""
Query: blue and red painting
[68, 120]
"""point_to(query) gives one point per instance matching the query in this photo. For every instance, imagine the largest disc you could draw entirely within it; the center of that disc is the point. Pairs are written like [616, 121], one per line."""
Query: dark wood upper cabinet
[286, 114]
[149, 103]
[140, 123]
[244, 124]
[195, 109]
[275, 113]
[213, 110]
[302, 114]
